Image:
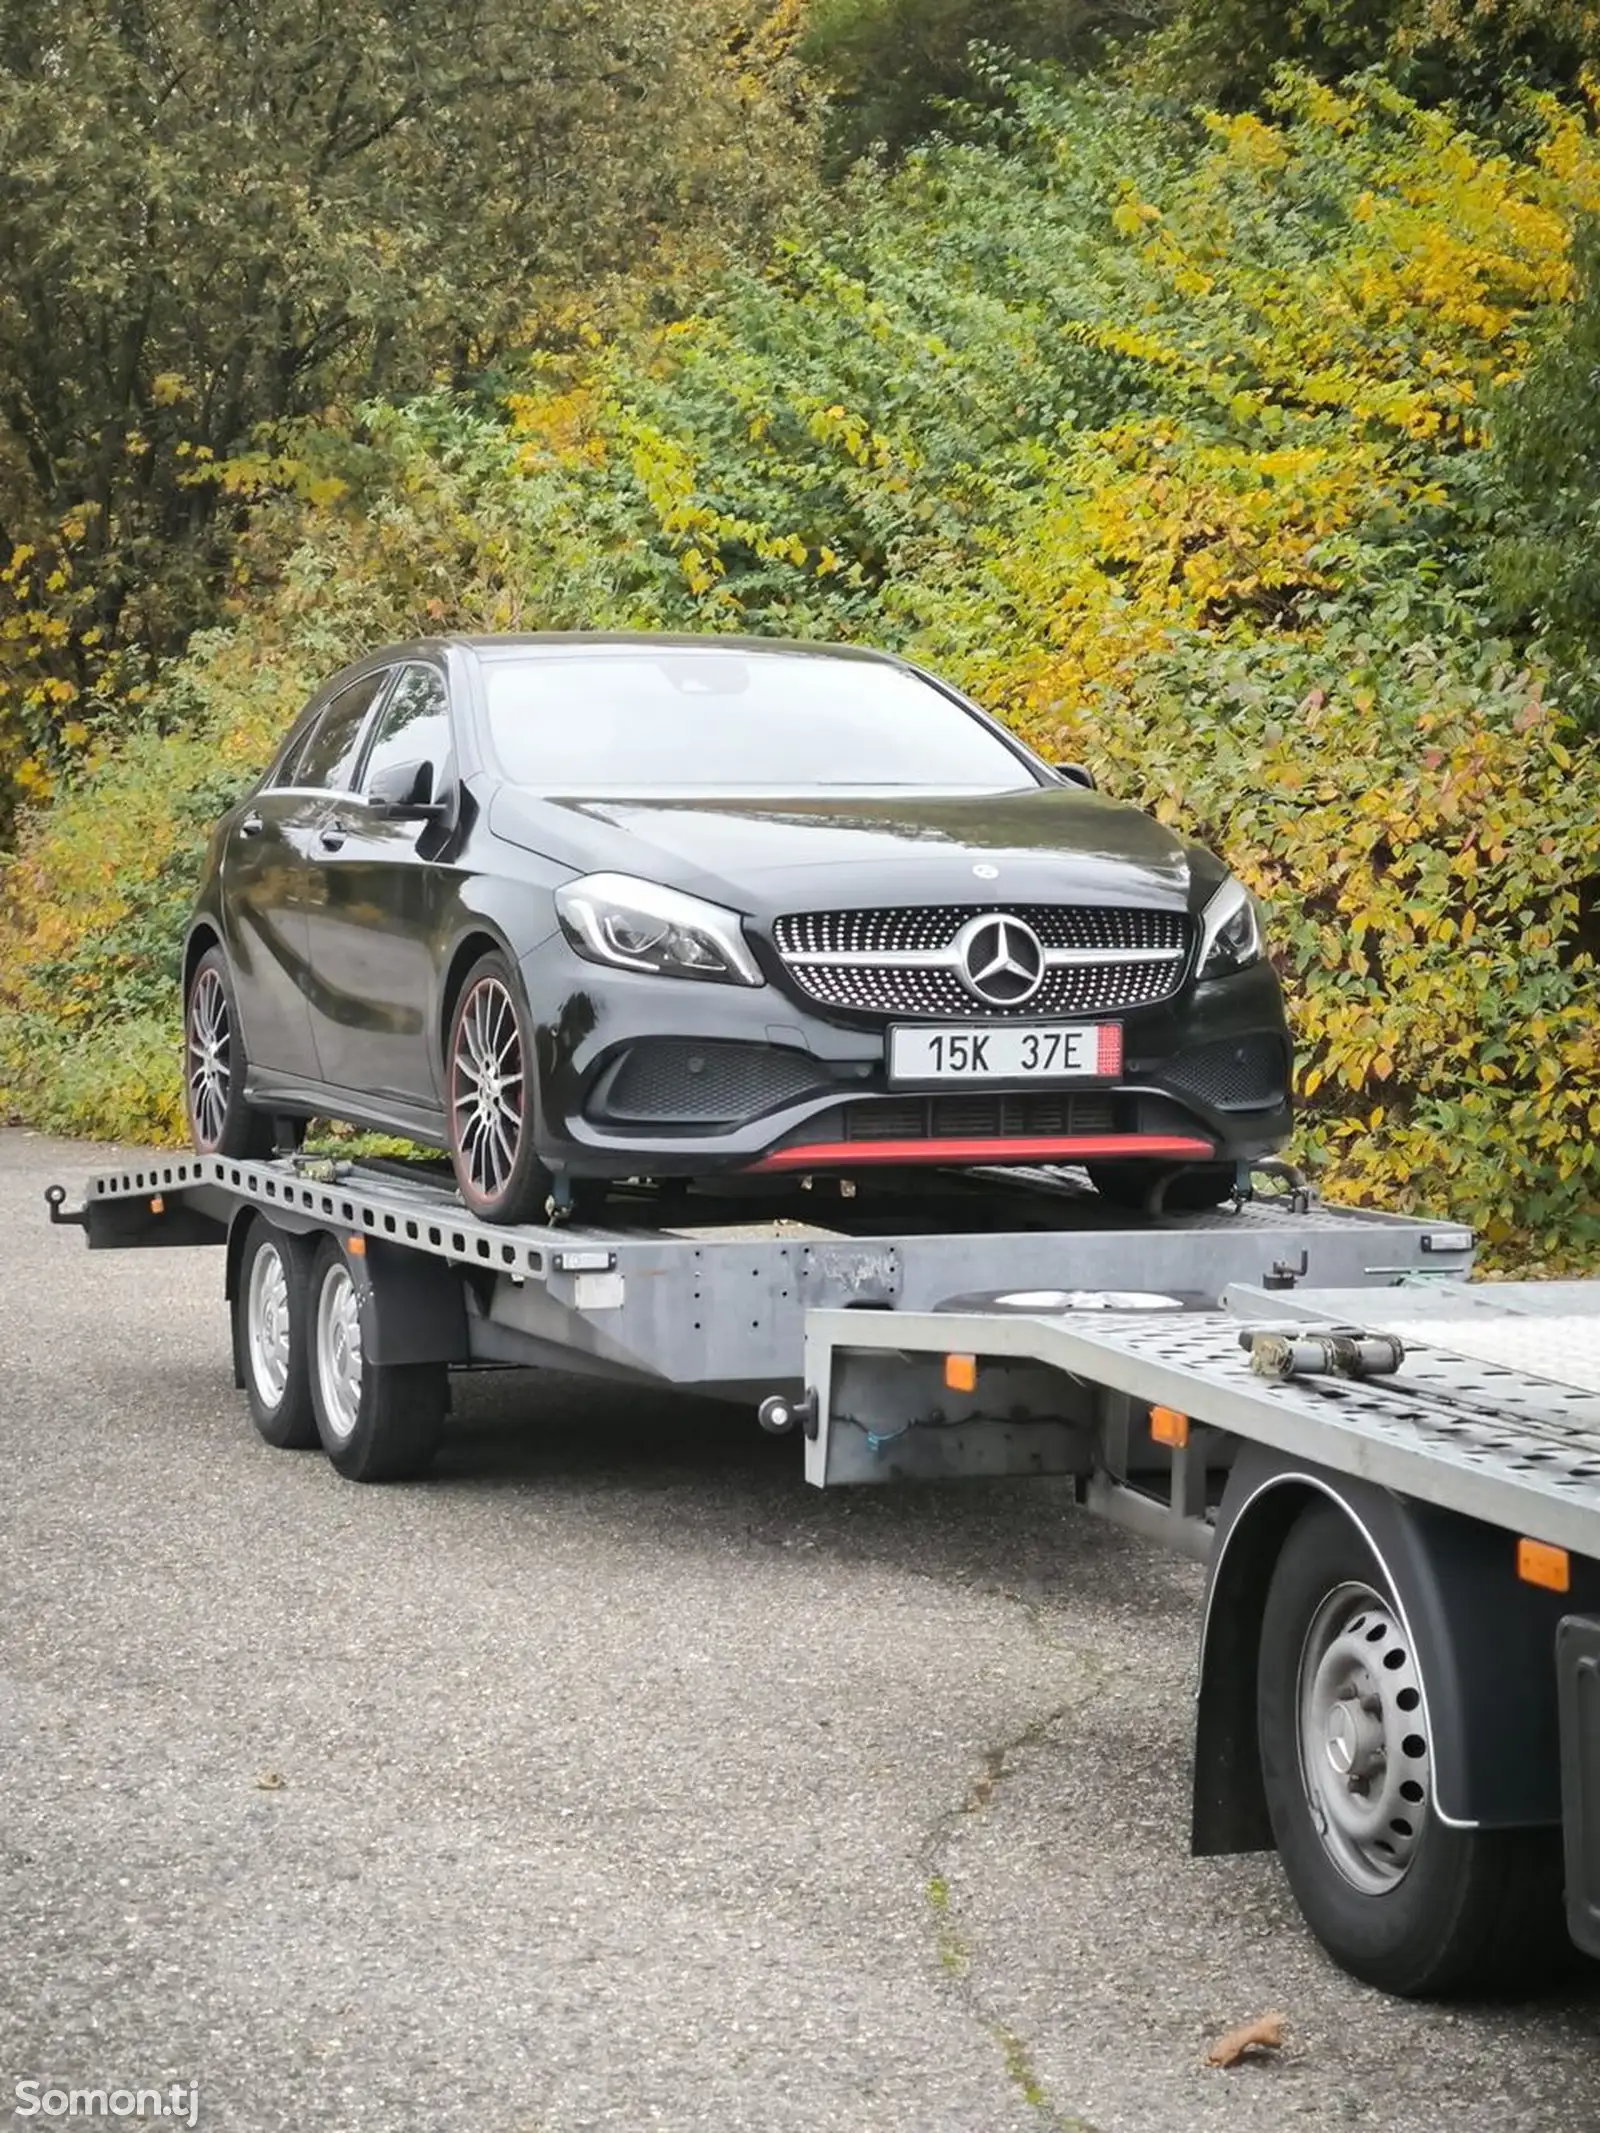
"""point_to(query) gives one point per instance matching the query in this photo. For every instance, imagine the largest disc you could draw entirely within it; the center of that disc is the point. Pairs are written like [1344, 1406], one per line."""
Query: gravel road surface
[614, 1779]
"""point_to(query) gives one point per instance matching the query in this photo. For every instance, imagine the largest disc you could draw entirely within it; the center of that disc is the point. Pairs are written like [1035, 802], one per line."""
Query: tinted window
[661, 718]
[414, 727]
[327, 755]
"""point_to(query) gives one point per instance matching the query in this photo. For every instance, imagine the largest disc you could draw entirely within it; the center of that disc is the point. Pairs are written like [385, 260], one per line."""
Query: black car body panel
[348, 929]
[1049, 844]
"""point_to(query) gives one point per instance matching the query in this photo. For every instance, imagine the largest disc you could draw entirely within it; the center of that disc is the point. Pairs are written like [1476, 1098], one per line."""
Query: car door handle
[252, 825]
[332, 834]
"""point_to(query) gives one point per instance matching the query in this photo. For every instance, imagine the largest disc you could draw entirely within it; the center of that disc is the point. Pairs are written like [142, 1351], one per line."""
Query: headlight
[1230, 932]
[638, 925]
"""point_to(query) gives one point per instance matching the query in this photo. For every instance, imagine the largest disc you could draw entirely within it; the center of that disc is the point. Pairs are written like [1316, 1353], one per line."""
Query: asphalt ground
[615, 1779]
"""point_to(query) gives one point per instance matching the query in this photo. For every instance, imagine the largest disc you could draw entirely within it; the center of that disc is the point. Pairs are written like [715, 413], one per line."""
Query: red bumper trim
[1060, 1148]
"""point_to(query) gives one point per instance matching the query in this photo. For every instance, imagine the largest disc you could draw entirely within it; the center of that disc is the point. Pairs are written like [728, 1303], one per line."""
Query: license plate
[991, 1051]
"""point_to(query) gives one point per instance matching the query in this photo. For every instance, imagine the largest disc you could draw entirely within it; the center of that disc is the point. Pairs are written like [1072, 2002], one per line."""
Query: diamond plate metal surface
[1474, 1435]
[1548, 1330]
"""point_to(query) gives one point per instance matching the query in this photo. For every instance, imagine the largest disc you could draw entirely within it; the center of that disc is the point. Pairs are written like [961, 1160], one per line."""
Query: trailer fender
[413, 1306]
[1484, 1639]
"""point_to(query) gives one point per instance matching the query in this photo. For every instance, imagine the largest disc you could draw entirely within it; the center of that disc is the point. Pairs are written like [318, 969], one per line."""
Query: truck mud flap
[1578, 1670]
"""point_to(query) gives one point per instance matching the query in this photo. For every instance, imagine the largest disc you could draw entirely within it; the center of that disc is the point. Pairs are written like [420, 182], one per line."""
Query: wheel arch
[203, 935]
[479, 941]
[1484, 1640]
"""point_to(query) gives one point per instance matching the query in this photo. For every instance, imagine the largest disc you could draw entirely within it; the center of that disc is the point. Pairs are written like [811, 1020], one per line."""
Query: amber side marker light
[357, 1247]
[961, 1373]
[1167, 1426]
[158, 1205]
[1538, 1563]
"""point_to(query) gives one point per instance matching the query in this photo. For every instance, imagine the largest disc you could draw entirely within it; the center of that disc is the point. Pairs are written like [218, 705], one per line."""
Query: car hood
[763, 856]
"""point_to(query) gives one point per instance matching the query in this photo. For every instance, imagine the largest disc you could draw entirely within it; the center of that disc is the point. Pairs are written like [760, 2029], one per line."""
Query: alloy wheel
[267, 1323]
[486, 1086]
[208, 1059]
[1364, 1752]
[339, 1359]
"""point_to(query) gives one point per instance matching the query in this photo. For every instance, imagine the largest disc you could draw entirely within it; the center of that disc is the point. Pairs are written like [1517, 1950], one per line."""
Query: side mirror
[1075, 774]
[405, 791]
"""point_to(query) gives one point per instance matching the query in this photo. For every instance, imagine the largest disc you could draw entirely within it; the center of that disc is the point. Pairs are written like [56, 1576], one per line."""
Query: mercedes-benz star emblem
[1002, 960]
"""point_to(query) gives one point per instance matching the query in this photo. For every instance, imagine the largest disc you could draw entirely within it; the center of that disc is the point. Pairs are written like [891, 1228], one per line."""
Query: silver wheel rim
[486, 1087]
[1365, 1759]
[267, 1323]
[208, 1050]
[339, 1360]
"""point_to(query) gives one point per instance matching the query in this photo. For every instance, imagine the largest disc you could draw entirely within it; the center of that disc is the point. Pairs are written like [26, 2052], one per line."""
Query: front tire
[215, 1068]
[1396, 1896]
[489, 1098]
[377, 1421]
[271, 1308]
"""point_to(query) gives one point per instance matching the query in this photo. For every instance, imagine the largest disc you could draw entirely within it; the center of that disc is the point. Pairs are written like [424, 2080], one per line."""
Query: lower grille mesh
[1248, 1076]
[675, 1081]
[957, 1118]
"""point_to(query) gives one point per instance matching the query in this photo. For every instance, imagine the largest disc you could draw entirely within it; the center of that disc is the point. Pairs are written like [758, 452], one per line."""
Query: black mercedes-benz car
[587, 907]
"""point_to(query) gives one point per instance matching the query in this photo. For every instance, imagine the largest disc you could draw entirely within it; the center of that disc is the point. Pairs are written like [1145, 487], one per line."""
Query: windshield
[627, 721]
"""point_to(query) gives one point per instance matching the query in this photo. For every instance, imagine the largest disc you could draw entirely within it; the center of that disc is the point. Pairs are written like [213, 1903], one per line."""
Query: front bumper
[677, 1077]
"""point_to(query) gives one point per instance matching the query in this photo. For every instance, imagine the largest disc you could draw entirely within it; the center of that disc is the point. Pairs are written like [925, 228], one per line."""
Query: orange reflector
[1167, 1426]
[158, 1206]
[358, 1247]
[961, 1373]
[1540, 1564]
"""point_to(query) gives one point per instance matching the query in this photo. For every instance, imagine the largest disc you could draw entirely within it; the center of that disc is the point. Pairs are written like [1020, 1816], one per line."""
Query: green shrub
[1173, 448]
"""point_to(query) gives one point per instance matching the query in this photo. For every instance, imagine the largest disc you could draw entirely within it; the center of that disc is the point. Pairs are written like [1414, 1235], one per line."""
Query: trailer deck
[713, 1294]
[1494, 1413]
[1403, 1606]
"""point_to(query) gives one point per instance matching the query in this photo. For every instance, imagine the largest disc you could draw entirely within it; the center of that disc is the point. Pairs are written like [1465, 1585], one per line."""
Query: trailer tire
[377, 1421]
[271, 1309]
[1397, 1897]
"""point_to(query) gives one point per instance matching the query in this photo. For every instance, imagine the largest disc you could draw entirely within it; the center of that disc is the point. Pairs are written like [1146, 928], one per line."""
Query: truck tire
[1398, 1898]
[377, 1421]
[271, 1332]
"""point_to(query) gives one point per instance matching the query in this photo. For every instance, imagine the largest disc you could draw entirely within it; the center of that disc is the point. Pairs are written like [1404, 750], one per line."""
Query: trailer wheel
[271, 1335]
[1396, 1896]
[377, 1421]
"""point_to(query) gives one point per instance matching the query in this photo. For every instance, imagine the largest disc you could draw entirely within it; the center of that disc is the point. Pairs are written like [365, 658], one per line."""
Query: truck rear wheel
[1396, 1896]
[271, 1335]
[377, 1421]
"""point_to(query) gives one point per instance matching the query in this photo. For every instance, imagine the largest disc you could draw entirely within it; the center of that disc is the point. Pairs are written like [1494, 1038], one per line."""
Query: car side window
[327, 756]
[414, 729]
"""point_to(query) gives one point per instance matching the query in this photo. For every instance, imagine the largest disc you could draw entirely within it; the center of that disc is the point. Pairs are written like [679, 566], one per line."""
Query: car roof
[536, 641]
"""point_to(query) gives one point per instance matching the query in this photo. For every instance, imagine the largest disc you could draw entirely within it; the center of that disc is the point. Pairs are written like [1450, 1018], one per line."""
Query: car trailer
[1392, 1474]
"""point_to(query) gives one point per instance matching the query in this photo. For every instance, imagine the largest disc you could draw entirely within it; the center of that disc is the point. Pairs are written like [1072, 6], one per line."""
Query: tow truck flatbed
[1400, 1660]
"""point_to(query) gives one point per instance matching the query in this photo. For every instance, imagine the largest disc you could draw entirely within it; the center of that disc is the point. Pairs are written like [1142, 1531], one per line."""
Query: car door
[372, 903]
[264, 885]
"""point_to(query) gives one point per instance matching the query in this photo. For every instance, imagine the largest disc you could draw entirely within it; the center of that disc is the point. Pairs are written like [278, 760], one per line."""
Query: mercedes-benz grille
[954, 960]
